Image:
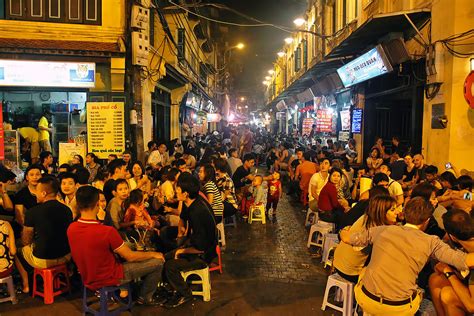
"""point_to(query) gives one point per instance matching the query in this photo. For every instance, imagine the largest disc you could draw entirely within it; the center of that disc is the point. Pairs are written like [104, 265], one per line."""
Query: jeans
[174, 267]
[149, 269]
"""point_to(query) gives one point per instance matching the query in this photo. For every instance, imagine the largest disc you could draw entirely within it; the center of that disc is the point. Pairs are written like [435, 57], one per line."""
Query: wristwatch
[448, 274]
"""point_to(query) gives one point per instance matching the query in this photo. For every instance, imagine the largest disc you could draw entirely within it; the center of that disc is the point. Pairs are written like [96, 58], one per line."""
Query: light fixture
[231, 117]
[281, 54]
[240, 108]
[472, 64]
[240, 46]
[271, 71]
[268, 78]
[299, 22]
[242, 99]
[246, 106]
[266, 83]
[289, 40]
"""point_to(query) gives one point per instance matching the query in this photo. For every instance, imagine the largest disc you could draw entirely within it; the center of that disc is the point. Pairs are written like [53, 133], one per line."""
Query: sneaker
[155, 301]
[177, 300]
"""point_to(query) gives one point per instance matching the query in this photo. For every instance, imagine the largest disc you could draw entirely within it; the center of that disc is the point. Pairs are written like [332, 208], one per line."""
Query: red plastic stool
[51, 282]
[219, 260]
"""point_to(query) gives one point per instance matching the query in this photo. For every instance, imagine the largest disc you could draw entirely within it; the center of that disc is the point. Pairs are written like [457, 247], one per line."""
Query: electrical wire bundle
[460, 39]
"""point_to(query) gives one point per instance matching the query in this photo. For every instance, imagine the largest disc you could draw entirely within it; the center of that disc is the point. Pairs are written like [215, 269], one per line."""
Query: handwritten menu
[105, 128]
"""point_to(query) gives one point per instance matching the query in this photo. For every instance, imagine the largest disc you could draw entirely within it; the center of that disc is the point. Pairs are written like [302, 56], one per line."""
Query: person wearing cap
[44, 130]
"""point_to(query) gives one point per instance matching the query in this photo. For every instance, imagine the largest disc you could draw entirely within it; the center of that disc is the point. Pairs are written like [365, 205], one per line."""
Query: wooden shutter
[55, 10]
[35, 10]
[93, 12]
[15, 9]
[74, 11]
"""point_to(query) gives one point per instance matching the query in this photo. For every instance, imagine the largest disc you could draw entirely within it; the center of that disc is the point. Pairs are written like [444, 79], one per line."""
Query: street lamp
[240, 46]
[242, 99]
[268, 78]
[281, 54]
[271, 71]
[299, 22]
[246, 106]
[228, 51]
[266, 83]
[289, 40]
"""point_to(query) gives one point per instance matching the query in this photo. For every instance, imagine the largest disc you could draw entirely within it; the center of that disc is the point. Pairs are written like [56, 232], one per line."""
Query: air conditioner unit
[435, 63]
[140, 17]
[396, 51]
[140, 49]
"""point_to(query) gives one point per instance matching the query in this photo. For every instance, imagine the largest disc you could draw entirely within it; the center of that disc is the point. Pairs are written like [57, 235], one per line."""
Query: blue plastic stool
[107, 293]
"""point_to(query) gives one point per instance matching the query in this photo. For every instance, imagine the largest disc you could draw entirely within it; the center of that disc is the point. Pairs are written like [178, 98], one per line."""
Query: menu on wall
[105, 128]
[307, 125]
[324, 121]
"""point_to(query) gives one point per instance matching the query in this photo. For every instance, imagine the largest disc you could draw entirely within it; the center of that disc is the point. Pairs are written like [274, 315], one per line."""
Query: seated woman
[374, 161]
[349, 261]
[207, 176]
[408, 178]
[139, 179]
[330, 207]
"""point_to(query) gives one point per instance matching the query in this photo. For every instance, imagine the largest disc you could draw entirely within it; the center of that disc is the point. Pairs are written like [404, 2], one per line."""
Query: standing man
[202, 236]
[94, 248]
[246, 142]
[44, 130]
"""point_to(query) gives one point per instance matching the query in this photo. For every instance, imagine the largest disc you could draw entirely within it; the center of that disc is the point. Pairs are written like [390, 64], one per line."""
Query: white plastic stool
[232, 222]
[221, 234]
[347, 289]
[11, 290]
[205, 282]
[254, 218]
[321, 230]
[330, 241]
[308, 221]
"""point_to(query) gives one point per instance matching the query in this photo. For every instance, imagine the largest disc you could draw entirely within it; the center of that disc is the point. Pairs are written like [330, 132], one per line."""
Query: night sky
[262, 43]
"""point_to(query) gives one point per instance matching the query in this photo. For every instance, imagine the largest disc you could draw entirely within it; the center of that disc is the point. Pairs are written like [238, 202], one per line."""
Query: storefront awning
[369, 33]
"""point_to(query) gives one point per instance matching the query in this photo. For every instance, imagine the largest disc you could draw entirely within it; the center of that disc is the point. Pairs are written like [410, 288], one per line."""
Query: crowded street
[271, 157]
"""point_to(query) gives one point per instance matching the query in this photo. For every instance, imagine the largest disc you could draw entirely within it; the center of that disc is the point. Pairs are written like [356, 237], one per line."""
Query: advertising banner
[357, 121]
[345, 120]
[105, 128]
[307, 125]
[324, 121]
[46, 74]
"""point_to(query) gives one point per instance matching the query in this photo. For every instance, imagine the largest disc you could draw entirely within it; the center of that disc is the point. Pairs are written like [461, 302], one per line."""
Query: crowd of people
[123, 219]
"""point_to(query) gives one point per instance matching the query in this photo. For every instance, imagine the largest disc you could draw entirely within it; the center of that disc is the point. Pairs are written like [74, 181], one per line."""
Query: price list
[105, 128]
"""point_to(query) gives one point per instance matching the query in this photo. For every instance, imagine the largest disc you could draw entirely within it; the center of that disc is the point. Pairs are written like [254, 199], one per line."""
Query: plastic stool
[205, 282]
[347, 288]
[11, 290]
[219, 260]
[107, 293]
[51, 282]
[308, 221]
[233, 221]
[330, 241]
[321, 231]
[221, 234]
[254, 218]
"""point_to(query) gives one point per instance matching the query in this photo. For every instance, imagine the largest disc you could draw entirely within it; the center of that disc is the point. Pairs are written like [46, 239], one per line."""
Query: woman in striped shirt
[207, 176]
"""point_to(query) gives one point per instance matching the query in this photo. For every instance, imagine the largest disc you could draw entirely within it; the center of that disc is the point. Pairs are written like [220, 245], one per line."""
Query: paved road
[267, 271]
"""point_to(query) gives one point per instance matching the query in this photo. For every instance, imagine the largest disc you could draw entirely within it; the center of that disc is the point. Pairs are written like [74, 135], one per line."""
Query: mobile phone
[468, 196]
[448, 165]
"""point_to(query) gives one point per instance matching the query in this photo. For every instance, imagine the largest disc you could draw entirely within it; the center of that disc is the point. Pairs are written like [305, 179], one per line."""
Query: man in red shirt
[94, 248]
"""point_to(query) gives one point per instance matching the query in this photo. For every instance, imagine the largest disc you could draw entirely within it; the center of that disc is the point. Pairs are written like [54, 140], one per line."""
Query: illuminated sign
[357, 121]
[369, 65]
[46, 74]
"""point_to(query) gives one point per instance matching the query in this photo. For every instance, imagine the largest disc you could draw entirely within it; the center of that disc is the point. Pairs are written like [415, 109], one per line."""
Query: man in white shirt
[157, 157]
[317, 182]
[394, 188]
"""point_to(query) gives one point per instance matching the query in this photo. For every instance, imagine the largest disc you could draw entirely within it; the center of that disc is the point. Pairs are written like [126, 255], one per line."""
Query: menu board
[105, 128]
[357, 121]
[307, 125]
[324, 121]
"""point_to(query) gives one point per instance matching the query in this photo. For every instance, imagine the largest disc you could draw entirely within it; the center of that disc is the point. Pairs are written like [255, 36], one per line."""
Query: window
[305, 53]
[181, 45]
[203, 74]
[298, 59]
[62, 11]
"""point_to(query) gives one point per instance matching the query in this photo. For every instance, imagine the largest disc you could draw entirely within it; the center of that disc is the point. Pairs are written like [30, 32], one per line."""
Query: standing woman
[207, 176]
[139, 179]
[92, 166]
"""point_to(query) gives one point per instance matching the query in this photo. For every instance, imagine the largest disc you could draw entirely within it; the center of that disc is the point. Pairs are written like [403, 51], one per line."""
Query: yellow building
[394, 104]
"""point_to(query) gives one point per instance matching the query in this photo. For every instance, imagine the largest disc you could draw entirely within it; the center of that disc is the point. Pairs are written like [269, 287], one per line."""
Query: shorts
[27, 254]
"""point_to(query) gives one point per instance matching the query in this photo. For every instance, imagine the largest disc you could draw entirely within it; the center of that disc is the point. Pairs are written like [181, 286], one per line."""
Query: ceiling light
[289, 40]
[299, 22]
[268, 78]
[281, 54]
[271, 71]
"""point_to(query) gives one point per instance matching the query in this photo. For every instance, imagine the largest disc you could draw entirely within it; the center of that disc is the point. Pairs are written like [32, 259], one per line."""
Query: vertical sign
[345, 120]
[357, 121]
[307, 126]
[2, 136]
[324, 121]
[105, 128]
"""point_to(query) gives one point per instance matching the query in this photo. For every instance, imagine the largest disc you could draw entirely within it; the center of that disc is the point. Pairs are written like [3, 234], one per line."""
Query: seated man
[200, 249]
[451, 295]
[94, 248]
[388, 285]
[44, 234]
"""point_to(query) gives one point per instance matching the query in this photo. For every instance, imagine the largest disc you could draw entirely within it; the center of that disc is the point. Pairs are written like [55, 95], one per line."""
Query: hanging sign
[357, 121]
[105, 128]
[324, 121]
[345, 120]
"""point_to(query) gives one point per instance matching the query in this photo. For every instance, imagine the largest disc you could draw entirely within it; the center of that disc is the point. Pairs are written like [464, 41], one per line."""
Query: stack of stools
[321, 229]
[11, 290]
[52, 285]
[253, 217]
[330, 242]
[205, 281]
[347, 296]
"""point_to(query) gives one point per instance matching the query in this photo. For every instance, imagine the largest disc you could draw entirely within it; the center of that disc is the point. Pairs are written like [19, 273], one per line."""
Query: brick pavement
[267, 271]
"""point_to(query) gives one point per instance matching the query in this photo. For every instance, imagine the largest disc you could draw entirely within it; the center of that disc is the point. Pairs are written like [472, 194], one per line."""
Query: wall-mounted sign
[213, 117]
[105, 128]
[345, 120]
[324, 121]
[369, 65]
[357, 121]
[46, 74]
[193, 101]
[307, 126]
